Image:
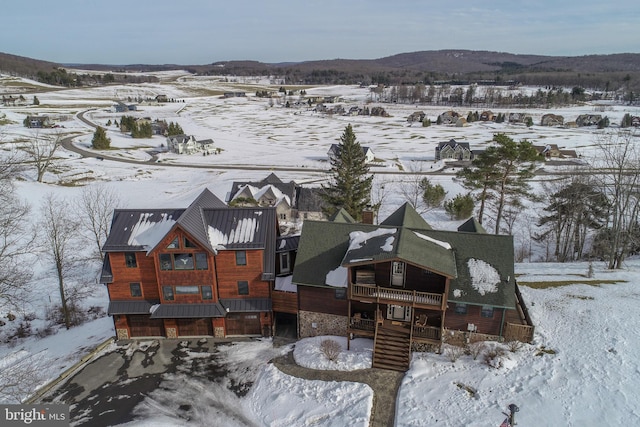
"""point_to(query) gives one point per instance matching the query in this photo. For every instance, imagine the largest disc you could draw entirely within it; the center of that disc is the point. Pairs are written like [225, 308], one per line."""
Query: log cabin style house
[406, 285]
[206, 270]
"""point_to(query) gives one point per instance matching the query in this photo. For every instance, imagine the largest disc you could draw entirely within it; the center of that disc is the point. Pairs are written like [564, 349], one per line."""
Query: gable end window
[130, 259]
[241, 258]
[341, 293]
[206, 292]
[174, 244]
[243, 287]
[136, 289]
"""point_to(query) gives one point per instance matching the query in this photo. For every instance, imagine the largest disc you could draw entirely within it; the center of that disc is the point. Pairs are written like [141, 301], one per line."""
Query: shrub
[514, 346]
[453, 352]
[331, 349]
[460, 207]
[493, 358]
[476, 348]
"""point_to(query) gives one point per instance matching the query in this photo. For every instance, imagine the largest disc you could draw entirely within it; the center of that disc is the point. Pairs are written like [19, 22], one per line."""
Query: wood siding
[415, 278]
[144, 273]
[284, 302]
[321, 300]
[229, 274]
[485, 325]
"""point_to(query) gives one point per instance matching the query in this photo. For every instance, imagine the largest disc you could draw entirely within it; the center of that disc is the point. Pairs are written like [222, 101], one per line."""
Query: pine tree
[350, 184]
[100, 140]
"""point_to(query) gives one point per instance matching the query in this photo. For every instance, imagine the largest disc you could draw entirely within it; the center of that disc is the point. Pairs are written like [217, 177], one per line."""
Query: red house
[206, 270]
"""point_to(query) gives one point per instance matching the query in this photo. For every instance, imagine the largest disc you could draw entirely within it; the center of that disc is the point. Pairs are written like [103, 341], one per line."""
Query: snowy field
[581, 370]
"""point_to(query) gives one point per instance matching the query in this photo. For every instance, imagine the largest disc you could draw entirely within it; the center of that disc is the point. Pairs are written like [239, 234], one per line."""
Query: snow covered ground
[581, 370]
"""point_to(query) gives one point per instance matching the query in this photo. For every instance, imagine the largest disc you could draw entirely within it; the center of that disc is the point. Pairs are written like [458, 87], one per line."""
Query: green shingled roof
[479, 265]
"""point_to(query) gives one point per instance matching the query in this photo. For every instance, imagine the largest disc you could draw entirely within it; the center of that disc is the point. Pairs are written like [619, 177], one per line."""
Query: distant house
[551, 120]
[518, 117]
[552, 152]
[588, 119]
[292, 201]
[487, 116]
[453, 150]
[162, 98]
[448, 117]
[334, 152]
[235, 94]
[185, 144]
[36, 122]
[417, 116]
[635, 121]
[121, 107]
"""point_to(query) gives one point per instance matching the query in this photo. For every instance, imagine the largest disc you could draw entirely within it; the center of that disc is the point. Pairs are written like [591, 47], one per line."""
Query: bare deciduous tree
[95, 210]
[20, 379]
[15, 245]
[619, 166]
[40, 150]
[59, 235]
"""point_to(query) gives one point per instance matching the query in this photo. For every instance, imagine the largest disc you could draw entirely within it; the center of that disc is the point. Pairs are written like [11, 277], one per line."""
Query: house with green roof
[406, 285]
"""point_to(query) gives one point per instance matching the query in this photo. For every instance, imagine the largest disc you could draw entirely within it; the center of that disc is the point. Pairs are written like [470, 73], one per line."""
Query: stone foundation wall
[122, 334]
[325, 324]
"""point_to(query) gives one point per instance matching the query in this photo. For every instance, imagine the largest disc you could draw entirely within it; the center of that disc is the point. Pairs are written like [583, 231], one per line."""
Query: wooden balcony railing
[400, 295]
[426, 332]
[362, 324]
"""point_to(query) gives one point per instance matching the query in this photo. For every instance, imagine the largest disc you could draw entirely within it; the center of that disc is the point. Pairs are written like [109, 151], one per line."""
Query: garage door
[243, 324]
[140, 325]
[194, 327]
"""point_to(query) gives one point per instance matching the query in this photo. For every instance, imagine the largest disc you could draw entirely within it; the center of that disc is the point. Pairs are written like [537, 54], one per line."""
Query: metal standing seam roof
[287, 243]
[238, 305]
[188, 311]
[130, 307]
[124, 223]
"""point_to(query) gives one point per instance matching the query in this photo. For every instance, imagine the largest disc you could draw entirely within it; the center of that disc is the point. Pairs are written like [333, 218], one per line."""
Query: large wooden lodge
[213, 270]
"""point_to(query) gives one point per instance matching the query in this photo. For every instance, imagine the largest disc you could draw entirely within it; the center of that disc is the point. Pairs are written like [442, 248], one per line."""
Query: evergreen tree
[350, 184]
[432, 195]
[460, 207]
[501, 172]
[36, 101]
[100, 139]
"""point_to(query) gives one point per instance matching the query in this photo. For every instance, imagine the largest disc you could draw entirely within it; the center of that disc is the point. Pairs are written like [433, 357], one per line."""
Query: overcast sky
[196, 32]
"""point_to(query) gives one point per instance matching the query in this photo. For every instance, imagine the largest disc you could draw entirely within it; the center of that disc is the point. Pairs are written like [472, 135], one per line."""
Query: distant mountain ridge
[400, 68]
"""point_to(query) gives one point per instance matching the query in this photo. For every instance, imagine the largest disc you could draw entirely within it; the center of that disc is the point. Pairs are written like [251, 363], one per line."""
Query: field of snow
[581, 370]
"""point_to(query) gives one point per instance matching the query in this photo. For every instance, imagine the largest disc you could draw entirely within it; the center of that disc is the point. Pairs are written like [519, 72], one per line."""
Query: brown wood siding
[415, 278]
[243, 324]
[194, 327]
[284, 302]
[141, 325]
[321, 300]
[144, 273]
[229, 274]
[485, 325]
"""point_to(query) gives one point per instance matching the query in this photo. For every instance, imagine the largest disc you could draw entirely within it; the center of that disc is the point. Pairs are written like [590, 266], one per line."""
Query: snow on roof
[284, 284]
[257, 193]
[484, 277]
[147, 233]
[388, 244]
[283, 243]
[244, 232]
[337, 277]
[431, 239]
[357, 238]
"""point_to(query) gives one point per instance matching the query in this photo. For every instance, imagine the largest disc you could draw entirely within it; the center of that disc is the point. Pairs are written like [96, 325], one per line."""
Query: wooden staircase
[391, 349]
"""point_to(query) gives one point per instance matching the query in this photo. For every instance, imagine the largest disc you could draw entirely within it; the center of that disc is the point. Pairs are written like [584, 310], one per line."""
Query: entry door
[397, 274]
